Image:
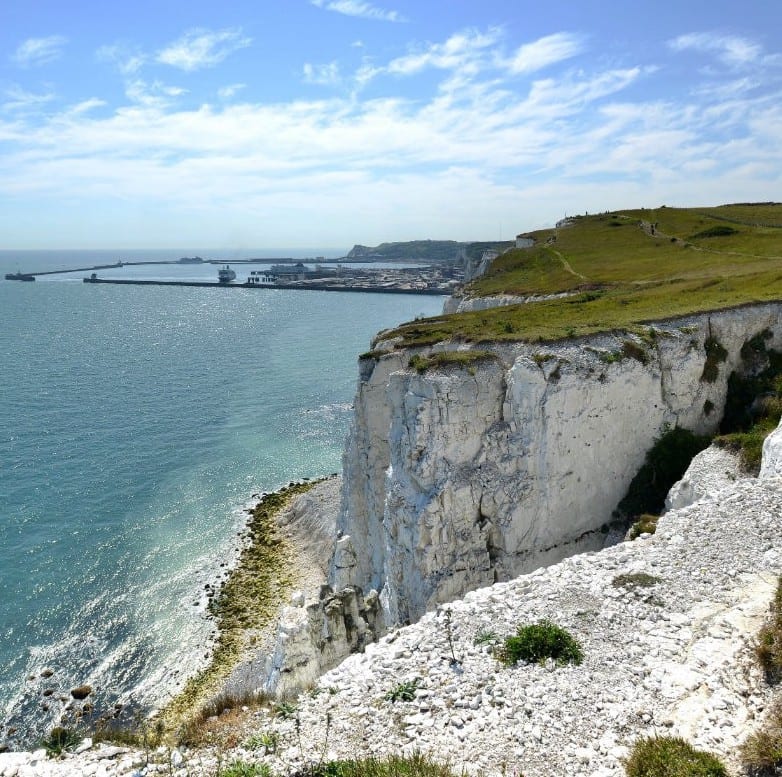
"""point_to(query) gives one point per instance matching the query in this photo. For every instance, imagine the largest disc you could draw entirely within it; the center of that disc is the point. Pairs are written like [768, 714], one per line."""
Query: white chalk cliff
[456, 478]
[459, 477]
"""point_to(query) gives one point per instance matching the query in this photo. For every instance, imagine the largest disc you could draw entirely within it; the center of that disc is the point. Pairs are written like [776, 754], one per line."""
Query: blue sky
[325, 123]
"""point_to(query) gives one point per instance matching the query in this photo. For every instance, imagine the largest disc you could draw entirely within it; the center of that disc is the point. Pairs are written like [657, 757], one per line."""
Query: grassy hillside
[622, 269]
[437, 251]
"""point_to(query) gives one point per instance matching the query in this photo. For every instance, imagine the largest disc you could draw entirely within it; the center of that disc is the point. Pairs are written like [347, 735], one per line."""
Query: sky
[257, 124]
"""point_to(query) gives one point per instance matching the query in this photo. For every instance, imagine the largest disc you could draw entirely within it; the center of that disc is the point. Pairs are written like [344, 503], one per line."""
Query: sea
[136, 425]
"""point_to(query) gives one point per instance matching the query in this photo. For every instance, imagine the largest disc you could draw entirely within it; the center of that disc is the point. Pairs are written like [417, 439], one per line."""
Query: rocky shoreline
[667, 624]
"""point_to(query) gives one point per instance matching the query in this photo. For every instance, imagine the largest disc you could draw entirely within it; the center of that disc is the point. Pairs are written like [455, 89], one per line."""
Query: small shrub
[635, 580]
[403, 691]
[715, 355]
[610, 357]
[634, 351]
[671, 757]
[718, 231]
[60, 740]
[646, 524]
[541, 358]
[244, 769]
[755, 347]
[539, 641]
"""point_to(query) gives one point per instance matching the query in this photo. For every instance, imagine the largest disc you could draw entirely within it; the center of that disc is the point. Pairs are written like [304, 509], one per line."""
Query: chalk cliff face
[459, 477]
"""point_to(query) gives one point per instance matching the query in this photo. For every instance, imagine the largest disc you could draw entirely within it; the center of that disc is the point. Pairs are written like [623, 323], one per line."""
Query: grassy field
[623, 269]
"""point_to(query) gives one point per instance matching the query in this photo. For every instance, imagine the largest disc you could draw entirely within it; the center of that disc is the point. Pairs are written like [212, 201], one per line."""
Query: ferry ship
[225, 274]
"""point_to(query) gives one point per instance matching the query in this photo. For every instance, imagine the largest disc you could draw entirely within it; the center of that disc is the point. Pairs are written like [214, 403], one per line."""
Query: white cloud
[154, 95]
[476, 145]
[127, 62]
[86, 105]
[39, 51]
[199, 48]
[731, 49]
[20, 99]
[545, 51]
[227, 92]
[462, 50]
[359, 8]
[325, 75]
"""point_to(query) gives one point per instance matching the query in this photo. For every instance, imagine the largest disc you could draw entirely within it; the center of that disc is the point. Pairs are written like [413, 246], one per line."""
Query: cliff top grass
[620, 270]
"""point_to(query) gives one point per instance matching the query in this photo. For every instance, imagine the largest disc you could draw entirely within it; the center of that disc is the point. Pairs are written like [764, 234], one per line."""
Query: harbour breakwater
[299, 286]
[461, 475]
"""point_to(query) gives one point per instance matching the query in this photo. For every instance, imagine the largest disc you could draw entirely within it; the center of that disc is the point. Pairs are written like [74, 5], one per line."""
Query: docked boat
[225, 274]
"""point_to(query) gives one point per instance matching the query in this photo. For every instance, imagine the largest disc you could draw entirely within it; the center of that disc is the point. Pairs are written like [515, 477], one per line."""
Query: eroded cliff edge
[461, 473]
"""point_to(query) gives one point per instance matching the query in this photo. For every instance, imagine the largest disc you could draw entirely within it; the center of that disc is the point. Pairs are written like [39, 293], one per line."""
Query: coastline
[272, 558]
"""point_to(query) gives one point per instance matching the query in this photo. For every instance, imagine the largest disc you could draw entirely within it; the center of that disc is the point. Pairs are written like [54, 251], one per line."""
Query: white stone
[772, 454]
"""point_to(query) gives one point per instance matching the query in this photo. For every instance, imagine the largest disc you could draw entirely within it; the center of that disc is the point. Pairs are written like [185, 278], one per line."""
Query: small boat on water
[225, 274]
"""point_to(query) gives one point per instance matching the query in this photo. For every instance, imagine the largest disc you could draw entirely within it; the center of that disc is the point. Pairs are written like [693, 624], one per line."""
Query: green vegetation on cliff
[621, 269]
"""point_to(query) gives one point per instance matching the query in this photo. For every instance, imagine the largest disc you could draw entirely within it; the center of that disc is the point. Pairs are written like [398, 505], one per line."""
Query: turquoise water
[135, 424]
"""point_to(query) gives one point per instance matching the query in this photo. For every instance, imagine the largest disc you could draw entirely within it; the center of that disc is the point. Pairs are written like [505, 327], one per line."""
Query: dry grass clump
[417, 765]
[762, 752]
[768, 647]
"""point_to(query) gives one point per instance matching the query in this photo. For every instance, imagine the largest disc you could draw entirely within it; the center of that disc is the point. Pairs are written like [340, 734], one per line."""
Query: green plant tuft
[671, 757]
[539, 641]
[265, 740]
[402, 692]
[244, 769]
[486, 637]
[60, 740]
[285, 709]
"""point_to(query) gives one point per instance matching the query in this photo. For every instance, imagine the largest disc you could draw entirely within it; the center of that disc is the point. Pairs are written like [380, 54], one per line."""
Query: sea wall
[462, 476]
